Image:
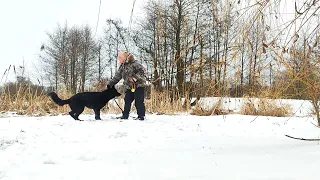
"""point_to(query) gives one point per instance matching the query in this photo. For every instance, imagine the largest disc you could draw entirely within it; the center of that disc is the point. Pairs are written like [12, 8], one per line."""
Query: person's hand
[133, 79]
[108, 86]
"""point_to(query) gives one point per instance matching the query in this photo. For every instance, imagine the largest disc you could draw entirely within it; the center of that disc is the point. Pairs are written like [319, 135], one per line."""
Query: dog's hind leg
[97, 114]
[76, 110]
[73, 115]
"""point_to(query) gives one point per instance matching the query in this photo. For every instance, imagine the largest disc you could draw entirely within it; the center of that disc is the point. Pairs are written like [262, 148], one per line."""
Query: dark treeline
[190, 48]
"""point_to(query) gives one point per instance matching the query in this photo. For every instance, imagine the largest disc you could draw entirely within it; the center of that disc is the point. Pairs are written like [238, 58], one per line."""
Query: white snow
[163, 147]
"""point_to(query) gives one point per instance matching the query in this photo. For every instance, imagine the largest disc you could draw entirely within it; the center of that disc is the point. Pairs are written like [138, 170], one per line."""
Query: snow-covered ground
[232, 147]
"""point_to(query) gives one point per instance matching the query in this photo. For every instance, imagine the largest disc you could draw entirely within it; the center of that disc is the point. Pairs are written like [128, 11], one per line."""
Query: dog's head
[112, 92]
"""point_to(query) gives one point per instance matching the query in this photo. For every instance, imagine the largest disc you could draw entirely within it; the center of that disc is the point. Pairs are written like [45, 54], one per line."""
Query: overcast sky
[24, 24]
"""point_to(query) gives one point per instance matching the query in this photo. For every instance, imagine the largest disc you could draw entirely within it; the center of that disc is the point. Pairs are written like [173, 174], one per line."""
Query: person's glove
[133, 79]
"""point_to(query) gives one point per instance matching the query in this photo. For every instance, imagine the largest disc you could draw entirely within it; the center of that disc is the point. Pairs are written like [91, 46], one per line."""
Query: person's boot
[122, 117]
[139, 118]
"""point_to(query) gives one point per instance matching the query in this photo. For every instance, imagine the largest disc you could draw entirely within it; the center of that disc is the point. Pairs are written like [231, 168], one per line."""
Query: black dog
[91, 100]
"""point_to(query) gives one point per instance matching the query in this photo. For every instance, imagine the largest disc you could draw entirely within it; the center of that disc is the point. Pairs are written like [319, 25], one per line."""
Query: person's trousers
[138, 97]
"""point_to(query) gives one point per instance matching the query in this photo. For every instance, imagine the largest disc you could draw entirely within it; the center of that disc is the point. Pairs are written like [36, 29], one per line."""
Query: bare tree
[54, 54]
[88, 55]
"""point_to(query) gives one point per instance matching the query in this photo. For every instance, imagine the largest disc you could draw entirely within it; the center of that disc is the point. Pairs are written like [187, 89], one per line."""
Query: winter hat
[125, 57]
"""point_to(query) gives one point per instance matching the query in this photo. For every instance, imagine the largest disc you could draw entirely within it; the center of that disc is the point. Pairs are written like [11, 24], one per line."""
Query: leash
[118, 105]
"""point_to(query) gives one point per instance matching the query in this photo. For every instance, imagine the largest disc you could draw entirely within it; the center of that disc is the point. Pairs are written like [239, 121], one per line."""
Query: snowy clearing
[163, 147]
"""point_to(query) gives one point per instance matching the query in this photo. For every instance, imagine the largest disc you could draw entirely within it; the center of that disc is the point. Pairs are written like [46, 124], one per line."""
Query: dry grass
[264, 107]
[160, 103]
[25, 102]
[214, 110]
[113, 108]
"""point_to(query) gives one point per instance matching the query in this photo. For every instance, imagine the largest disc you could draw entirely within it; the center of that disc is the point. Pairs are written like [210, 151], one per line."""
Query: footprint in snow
[48, 162]
[118, 135]
[86, 158]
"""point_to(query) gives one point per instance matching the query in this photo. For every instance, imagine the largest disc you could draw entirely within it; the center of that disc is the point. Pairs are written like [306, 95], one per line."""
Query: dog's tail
[55, 98]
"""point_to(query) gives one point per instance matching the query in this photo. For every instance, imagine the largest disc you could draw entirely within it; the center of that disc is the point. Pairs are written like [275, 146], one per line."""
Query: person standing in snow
[133, 74]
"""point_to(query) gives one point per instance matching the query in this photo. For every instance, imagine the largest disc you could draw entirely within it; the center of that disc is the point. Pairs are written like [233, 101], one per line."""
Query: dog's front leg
[97, 114]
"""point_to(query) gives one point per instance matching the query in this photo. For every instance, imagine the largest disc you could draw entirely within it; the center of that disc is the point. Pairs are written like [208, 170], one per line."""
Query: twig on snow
[303, 139]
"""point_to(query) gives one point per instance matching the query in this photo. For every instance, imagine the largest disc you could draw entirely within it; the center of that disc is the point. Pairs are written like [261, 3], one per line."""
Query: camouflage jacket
[129, 70]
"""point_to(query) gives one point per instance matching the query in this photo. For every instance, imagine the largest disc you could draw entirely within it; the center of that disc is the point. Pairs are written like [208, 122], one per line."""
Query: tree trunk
[178, 59]
[56, 76]
[190, 88]
[201, 64]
